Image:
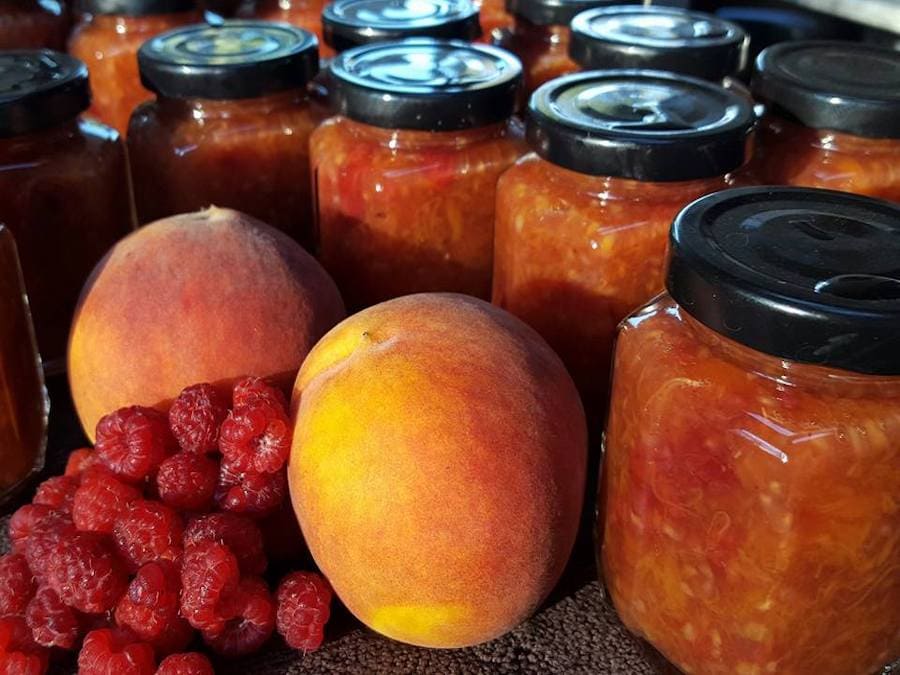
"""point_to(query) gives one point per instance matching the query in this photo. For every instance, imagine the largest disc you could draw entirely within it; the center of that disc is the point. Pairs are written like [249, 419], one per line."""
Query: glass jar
[834, 117]
[304, 14]
[494, 19]
[659, 38]
[64, 188]
[33, 24]
[406, 176]
[107, 39]
[582, 221]
[751, 521]
[23, 399]
[230, 125]
[540, 36]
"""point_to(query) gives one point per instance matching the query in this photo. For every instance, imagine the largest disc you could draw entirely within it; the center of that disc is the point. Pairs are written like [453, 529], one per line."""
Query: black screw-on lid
[426, 84]
[800, 274]
[658, 38]
[137, 7]
[640, 124]
[843, 86]
[557, 12]
[233, 60]
[350, 23]
[40, 88]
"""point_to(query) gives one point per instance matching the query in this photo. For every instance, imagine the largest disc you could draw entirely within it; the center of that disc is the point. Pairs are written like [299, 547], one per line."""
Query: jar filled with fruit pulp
[33, 24]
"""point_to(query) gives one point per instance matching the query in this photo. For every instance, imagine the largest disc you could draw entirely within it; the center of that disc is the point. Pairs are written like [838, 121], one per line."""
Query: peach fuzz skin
[202, 297]
[437, 467]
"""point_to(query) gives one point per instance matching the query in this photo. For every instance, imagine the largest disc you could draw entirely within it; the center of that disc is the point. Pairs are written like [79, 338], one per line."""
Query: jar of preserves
[304, 14]
[406, 174]
[540, 36]
[834, 117]
[494, 18]
[659, 38]
[107, 39]
[33, 24]
[230, 124]
[64, 189]
[582, 221]
[23, 399]
[750, 485]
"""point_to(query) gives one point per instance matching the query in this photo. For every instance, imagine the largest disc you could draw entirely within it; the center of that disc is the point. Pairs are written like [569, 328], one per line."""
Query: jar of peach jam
[107, 39]
[540, 36]
[494, 19]
[230, 124]
[751, 485]
[33, 24]
[659, 38]
[582, 221]
[304, 14]
[23, 399]
[406, 174]
[64, 190]
[834, 117]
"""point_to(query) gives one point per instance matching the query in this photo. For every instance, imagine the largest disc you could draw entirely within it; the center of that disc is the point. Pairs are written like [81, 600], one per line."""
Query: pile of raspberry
[158, 539]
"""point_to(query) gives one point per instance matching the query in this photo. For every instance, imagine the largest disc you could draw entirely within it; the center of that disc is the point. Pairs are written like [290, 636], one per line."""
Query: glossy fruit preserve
[751, 516]
[543, 50]
[304, 14]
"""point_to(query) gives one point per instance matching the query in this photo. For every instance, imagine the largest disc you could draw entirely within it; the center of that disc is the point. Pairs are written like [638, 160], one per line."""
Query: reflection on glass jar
[750, 485]
[23, 400]
[33, 24]
[834, 117]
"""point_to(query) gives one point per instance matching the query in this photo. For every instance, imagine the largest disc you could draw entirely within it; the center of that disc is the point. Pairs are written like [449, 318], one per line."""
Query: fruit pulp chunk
[403, 212]
[33, 24]
[752, 506]
[23, 403]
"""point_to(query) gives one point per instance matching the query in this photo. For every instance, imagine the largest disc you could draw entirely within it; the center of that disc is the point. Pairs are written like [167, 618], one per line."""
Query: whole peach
[437, 467]
[202, 297]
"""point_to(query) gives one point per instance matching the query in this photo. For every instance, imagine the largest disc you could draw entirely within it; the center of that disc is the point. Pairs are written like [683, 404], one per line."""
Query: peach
[202, 297]
[437, 467]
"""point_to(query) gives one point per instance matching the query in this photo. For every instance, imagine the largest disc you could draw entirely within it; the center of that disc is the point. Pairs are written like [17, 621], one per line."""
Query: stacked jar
[108, 38]
[230, 125]
[834, 117]
[304, 14]
[582, 221]
[64, 189]
[750, 521]
[406, 173]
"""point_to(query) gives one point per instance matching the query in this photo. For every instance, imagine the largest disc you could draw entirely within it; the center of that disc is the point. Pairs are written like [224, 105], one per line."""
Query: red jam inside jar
[230, 125]
[749, 512]
[833, 117]
[406, 179]
[108, 38]
[33, 24]
[582, 222]
[64, 189]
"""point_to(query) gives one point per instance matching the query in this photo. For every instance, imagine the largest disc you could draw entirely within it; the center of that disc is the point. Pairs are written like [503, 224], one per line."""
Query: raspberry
[256, 437]
[16, 584]
[195, 418]
[52, 623]
[85, 573]
[79, 460]
[57, 493]
[188, 663]
[150, 608]
[133, 442]
[146, 532]
[110, 650]
[209, 579]
[253, 494]
[253, 389]
[304, 605]
[34, 530]
[100, 500]
[19, 654]
[253, 624]
[188, 482]
[239, 534]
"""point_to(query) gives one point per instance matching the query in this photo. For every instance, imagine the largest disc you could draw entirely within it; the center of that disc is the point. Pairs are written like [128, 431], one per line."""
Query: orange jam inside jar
[494, 18]
[304, 14]
[406, 176]
[64, 189]
[750, 516]
[540, 36]
[582, 222]
[230, 125]
[834, 117]
[108, 38]
[23, 399]
[32, 24]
